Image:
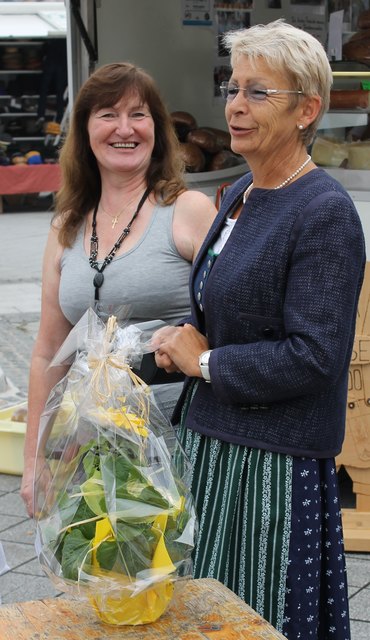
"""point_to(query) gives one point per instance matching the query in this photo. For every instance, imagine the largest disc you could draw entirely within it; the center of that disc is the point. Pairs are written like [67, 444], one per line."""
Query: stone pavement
[22, 239]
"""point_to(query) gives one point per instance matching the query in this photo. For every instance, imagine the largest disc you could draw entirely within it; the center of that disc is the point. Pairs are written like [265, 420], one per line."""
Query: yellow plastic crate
[11, 441]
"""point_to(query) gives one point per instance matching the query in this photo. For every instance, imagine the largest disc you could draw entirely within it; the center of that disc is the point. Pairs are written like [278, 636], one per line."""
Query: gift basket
[115, 518]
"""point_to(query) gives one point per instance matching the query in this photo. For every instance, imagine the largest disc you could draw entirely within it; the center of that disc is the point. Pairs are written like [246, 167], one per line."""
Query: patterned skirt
[270, 530]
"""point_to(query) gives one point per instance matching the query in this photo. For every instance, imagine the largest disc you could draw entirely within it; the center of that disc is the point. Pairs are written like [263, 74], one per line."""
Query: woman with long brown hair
[125, 232]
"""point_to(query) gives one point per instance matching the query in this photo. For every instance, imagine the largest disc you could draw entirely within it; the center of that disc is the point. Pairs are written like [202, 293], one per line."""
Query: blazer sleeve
[319, 313]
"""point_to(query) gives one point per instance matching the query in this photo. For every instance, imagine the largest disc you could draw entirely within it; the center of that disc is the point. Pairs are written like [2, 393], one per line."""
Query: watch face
[203, 364]
[204, 357]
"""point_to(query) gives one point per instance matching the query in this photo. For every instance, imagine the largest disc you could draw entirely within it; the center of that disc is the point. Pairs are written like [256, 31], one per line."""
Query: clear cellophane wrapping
[115, 518]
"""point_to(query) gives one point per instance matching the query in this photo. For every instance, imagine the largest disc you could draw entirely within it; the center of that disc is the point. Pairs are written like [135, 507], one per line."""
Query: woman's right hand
[41, 472]
[179, 349]
[163, 361]
[27, 487]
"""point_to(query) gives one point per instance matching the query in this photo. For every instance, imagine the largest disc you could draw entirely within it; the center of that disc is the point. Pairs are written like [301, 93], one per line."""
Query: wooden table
[203, 610]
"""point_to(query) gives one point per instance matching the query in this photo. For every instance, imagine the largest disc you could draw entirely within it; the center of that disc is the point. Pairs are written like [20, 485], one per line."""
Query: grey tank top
[148, 282]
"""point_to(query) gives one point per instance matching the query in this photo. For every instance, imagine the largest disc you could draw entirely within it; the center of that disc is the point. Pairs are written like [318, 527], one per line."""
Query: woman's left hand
[181, 347]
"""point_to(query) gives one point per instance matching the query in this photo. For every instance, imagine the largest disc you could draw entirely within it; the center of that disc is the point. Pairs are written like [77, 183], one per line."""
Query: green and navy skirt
[270, 529]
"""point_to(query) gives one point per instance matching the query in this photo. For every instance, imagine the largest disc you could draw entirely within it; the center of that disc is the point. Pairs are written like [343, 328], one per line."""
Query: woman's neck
[270, 174]
[115, 189]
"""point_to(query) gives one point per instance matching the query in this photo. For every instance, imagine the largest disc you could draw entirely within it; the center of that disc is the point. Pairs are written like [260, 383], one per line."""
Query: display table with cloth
[203, 609]
[24, 178]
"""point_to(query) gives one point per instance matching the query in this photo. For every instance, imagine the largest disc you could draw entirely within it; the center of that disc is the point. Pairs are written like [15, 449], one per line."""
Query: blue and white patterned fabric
[316, 603]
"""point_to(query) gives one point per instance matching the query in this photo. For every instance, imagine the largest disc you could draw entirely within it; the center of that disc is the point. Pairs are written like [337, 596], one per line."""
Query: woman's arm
[194, 214]
[52, 332]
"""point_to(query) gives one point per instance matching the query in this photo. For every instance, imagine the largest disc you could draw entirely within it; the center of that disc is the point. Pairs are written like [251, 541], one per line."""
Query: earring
[300, 126]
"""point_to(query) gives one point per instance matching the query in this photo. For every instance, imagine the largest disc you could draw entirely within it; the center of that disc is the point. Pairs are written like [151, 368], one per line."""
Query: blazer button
[268, 332]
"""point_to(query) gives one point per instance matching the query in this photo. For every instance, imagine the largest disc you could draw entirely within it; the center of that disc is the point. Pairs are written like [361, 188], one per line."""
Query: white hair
[291, 51]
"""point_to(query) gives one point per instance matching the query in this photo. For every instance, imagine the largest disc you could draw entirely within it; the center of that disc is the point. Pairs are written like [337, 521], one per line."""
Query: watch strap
[204, 366]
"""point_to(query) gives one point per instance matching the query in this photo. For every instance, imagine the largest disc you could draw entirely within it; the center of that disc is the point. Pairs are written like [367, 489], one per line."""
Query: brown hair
[81, 183]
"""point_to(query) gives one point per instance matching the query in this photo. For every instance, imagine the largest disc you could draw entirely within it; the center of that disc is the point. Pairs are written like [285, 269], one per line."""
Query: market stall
[33, 82]
[23, 178]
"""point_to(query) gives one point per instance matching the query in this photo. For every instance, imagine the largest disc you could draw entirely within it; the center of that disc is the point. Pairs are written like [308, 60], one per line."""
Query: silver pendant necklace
[282, 184]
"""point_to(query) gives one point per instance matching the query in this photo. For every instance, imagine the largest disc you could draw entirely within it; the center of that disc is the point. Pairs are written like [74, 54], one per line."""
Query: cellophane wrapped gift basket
[115, 518]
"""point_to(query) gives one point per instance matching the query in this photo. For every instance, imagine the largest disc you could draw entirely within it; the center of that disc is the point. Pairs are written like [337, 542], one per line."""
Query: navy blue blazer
[279, 312]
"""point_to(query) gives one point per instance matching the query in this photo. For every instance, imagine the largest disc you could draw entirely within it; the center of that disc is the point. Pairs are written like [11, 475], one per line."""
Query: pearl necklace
[282, 184]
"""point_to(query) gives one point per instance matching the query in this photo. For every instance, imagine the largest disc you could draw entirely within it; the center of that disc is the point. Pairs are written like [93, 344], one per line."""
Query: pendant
[98, 280]
[114, 221]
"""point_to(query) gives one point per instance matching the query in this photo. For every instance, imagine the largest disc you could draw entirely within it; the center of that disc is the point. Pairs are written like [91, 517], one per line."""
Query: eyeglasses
[252, 93]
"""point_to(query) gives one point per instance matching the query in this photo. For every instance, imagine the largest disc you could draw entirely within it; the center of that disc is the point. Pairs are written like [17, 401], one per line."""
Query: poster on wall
[351, 11]
[197, 13]
[228, 16]
[334, 48]
[310, 16]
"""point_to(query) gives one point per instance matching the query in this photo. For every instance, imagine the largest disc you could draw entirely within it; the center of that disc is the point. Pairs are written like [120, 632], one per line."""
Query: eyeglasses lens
[229, 92]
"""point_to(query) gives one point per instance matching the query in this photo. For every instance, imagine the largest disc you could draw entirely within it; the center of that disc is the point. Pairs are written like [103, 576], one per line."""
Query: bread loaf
[183, 123]
[360, 35]
[329, 153]
[359, 155]
[357, 48]
[206, 140]
[223, 137]
[223, 160]
[364, 20]
[350, 99]
[194, 158]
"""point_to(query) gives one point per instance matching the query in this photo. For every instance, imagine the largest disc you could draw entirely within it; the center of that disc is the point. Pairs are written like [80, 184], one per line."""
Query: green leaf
[150, 495]
[126, 532]
[84, 513]
[75, 554]
[106, 554]
[89, 463]
[122, 470]
[93, 493]
[177, 550]
[129, 482]
[136, 555]
[68, 505]
[136, 545]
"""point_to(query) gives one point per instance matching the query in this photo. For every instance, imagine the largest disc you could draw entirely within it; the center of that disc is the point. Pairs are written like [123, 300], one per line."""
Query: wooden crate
[356, 525]
[203, 610]
[355, 455]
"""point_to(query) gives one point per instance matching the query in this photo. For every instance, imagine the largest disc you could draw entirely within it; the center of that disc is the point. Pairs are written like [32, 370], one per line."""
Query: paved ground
[22, 238]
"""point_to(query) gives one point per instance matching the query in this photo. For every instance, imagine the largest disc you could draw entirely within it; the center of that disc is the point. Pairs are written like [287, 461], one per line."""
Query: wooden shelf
[23, 72]
[28, 83]
[339, 119]
[18, 114]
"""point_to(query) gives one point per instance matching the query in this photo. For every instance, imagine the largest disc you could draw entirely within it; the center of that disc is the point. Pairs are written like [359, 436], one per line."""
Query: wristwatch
[203, 364]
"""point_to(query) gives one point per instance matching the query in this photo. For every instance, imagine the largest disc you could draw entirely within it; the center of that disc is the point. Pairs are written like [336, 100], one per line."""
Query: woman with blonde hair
[274, 292]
